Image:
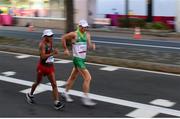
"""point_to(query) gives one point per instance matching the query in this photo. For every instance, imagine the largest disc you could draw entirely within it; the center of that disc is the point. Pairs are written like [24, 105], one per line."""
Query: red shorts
[45, 70]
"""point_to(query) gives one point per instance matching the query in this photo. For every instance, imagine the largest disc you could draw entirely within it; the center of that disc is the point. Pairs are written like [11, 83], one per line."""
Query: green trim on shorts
[79, 63]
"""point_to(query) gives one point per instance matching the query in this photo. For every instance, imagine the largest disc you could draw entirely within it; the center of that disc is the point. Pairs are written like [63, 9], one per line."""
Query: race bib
[50, 59]
[82, 48]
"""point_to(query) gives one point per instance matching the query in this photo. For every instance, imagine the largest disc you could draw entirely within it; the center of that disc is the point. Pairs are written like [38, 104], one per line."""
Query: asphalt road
[119, 92]
[103, 40]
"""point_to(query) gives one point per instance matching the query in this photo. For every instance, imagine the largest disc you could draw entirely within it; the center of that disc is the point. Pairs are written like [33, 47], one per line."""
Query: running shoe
[88, 102]
[29, 98]
[67, 97]
[59, 105]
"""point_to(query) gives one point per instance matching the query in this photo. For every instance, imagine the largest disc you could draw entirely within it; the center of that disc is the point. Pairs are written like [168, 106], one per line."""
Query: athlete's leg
[57, 103]
[55, 92]
[86, 86]
[71, 79]
[37, 82]
[87, 79]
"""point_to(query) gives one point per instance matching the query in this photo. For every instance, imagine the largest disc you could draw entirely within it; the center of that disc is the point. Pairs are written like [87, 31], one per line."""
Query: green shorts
[79, 63]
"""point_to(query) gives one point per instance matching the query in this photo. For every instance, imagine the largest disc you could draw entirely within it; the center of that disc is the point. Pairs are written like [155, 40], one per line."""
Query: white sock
[56, 102]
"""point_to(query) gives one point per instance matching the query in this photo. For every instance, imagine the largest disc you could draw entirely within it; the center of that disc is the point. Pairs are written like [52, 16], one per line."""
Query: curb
[105, 60]
[159, 33]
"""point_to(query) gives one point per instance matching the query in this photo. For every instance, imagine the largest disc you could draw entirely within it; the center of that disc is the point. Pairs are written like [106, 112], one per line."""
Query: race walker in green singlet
[79, 50]
[81, 41]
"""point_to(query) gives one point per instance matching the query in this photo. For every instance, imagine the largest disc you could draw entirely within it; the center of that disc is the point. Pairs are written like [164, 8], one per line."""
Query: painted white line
[59, 83]
[162, 102]
[8, 73]
[140, 45]
[101, 98]
[141, 113]
[63, 61]
[42, 88]
[23, 56]
[150, 113]
[38, 90]
[124, 68]
[109, 68]
[13, 53]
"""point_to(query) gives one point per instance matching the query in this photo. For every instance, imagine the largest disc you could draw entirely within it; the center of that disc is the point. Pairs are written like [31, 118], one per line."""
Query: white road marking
[109, 68]
[8, 73]
[141, 113]
[124, 68]
[23, 56]
[38, 90]
[101, 98]
[162, 102]
[63, 61]
[41, 88]
[59, 83]
[140, 45]
[150, 113]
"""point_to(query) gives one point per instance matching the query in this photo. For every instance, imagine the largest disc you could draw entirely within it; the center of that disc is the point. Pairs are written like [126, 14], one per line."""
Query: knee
[88, 78]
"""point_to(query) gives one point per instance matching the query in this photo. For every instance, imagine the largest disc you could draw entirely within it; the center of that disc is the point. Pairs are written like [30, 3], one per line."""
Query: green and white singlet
[79, 50]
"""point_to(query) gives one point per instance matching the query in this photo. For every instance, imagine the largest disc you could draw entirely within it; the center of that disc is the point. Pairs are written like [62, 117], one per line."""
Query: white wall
[178, 15]
[91, 10]
[138, 7]
[165, 7]
[81, 10]
[110, 7]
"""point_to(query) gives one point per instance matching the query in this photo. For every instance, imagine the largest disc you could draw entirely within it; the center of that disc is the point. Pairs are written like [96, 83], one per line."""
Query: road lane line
[162, 102]
[150, 113]
[23, 56]
[140, 45]
[8, 73]
[95, 64]
[139, 113]
[100, 98]
[63, 61]
[109, 68]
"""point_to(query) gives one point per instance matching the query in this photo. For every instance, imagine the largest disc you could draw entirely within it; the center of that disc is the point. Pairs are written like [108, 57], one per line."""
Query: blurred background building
[53, 13]
[33, 8]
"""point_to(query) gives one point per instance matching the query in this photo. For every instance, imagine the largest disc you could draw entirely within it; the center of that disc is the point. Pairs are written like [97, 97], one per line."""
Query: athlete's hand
[56, 51]
[93, 46]
[66, 52]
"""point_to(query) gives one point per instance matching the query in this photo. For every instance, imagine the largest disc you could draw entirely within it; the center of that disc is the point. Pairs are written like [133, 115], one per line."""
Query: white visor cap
[83, 23]
[47, 32]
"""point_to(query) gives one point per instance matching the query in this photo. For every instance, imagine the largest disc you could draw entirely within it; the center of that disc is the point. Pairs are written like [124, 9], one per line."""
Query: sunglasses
[84, 27]
[50, 36]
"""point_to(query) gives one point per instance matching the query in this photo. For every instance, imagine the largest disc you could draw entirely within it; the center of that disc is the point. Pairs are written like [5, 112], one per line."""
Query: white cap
[47, 32]
[83, 23]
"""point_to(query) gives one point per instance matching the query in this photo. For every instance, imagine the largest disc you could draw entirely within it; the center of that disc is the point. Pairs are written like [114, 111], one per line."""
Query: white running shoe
[88, 102]
[67, 97]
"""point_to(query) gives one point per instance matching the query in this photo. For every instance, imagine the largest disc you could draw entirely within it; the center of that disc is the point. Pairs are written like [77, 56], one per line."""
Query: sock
[56, 102]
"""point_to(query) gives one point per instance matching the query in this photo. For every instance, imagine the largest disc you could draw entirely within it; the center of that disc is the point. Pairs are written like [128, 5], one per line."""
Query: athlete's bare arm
[43, 52]
[89, 42]
[69, 36]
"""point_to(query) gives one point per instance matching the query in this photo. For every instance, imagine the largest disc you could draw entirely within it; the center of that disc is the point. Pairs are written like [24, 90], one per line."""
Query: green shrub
[133, 22]
[156, 25]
